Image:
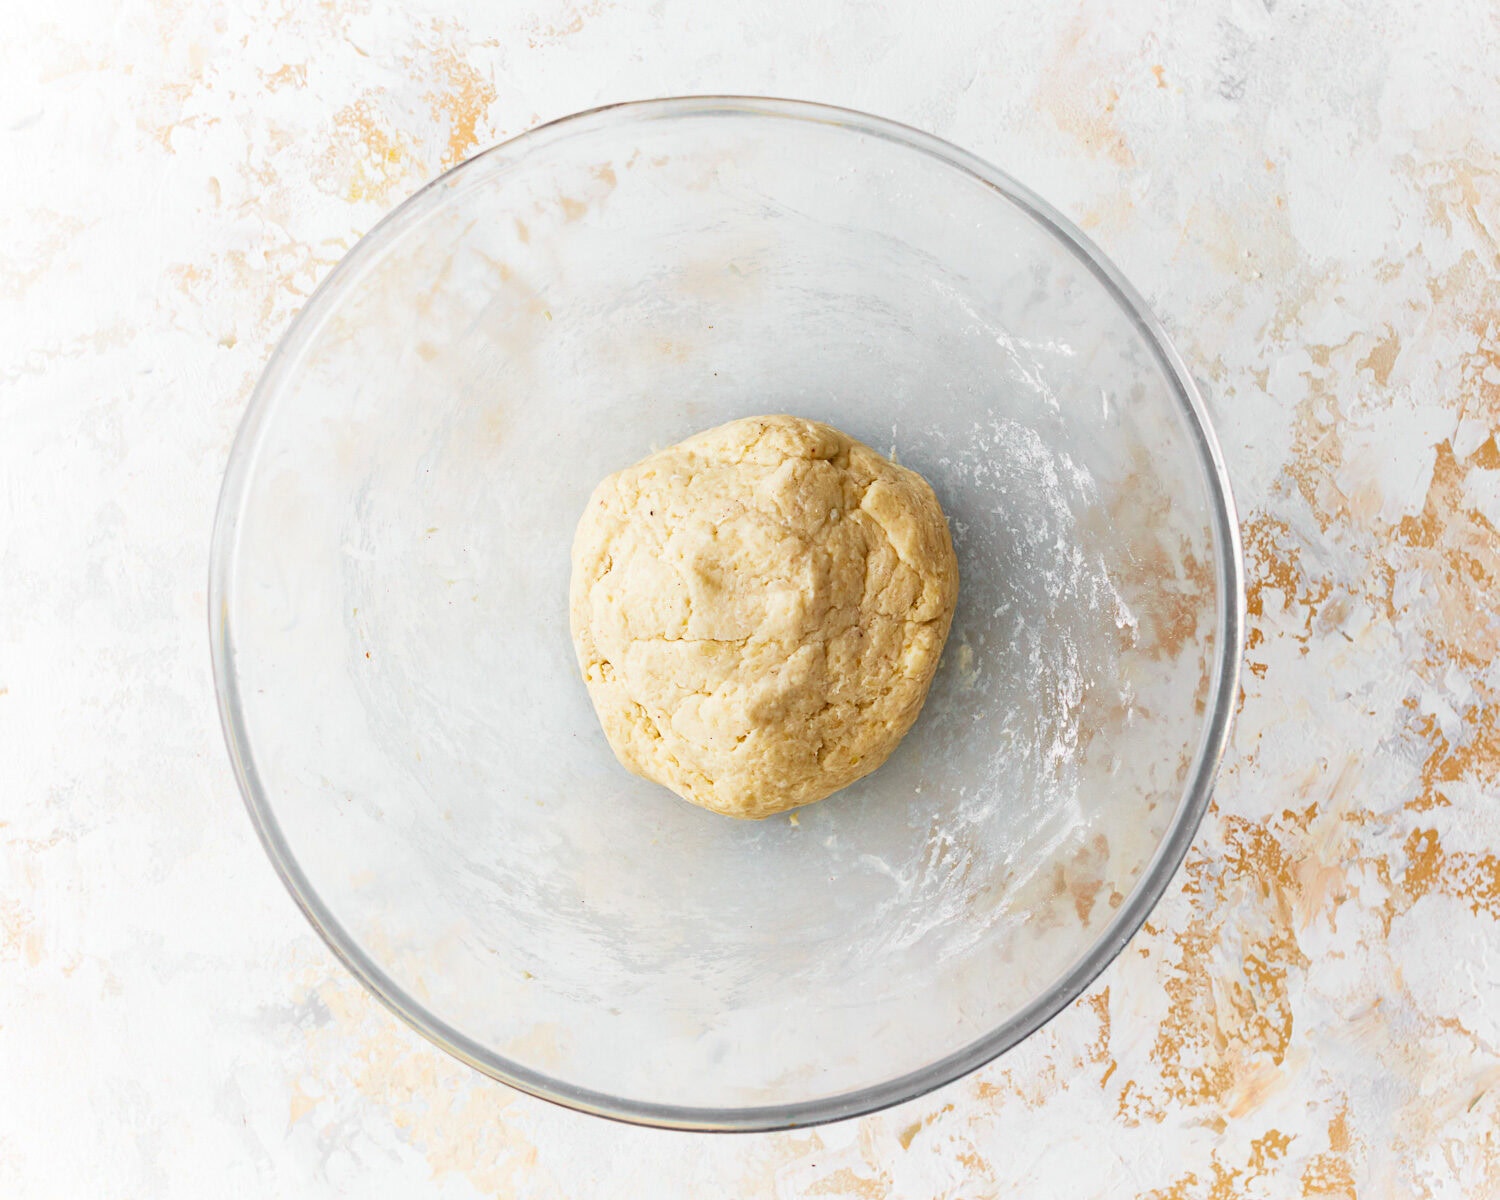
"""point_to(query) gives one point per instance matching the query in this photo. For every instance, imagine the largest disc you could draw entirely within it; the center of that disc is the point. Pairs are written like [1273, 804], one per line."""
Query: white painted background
[1309, 195]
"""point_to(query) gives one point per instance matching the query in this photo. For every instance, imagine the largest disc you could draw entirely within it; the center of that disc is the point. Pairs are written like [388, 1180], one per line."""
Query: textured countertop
[1309, 196]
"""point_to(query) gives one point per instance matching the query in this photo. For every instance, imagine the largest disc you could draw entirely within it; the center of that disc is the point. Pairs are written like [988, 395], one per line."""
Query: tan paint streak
[1166, 570]
[1459, 190]
[1327, 1175]
[300, 1104]
[1448, 545]
[439, 1107]
[20, 939]
[1222, 1187]
[761, 1174]
[1381, 359]
[1325, 853]
[1274, 572]
[1266, 1150]
[906, 1135]
[1338, 1132]
[463, 102]
[1226, 1033]
[292, 75]
[1252, 1090]
[573, 21]
[1077, 93]
[1098, 1051]
[1467, 876]
[15, 279]
[844, 1182]
[1176, 1190]
[1459, 551]
[366, 158]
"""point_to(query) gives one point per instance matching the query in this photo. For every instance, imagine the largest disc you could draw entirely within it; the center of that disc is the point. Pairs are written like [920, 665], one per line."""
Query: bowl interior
[398, 679]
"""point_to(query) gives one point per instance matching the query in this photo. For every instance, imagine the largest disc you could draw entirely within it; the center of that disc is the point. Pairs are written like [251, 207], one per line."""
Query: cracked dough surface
[758, 612]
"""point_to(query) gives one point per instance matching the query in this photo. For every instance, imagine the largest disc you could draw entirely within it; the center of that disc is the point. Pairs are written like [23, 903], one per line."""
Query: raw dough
[758, 612]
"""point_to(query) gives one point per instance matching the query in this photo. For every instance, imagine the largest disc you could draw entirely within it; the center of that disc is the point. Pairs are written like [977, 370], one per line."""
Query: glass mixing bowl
[390, 629]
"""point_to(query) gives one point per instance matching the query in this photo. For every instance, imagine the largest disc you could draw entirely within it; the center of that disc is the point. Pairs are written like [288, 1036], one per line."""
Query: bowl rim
[1137, 906]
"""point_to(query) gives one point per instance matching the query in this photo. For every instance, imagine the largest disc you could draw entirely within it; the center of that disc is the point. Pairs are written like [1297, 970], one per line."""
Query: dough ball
[758, 612]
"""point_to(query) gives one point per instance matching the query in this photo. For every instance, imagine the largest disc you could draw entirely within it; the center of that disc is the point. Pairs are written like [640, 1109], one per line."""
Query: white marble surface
[1309, 194]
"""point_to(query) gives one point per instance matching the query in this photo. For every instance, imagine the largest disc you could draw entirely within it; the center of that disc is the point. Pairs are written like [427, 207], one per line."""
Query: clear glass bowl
[390, 633]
